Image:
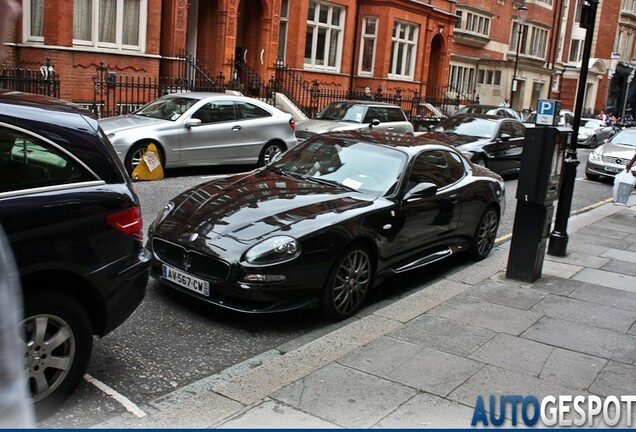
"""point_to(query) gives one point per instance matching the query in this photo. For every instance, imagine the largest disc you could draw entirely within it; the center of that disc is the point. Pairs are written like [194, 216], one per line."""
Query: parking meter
[537, 189]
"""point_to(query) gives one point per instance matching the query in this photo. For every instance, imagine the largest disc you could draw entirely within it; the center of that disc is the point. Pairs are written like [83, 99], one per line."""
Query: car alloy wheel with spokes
[57, 348]
[269, 153]
[348, 283]
[485, 235]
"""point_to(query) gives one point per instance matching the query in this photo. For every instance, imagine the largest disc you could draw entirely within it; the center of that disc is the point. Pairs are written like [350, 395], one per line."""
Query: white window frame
[534, 41]
[538, 42]
[474, 23]
[26, 24]
[283, 27]
[314, 25]
[117, 45]
[409, 45]
[461, 79]
[370, 38]
[576, 50]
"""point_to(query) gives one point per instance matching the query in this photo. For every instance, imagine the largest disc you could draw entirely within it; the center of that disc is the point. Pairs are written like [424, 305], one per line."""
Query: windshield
[626, 137]
[367, 168]
[591, 124]
[343, 111]
[472, 126]
[166, 108]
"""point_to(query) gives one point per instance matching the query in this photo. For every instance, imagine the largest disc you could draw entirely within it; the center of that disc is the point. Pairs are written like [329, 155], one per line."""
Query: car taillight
[128, 221]
[292, 124]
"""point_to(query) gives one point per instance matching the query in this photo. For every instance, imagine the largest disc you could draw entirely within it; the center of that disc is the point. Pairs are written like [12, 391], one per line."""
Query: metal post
[559, 236]
[522, 12]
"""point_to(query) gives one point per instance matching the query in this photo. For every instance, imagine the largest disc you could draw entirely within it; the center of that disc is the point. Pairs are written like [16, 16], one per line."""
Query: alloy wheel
[351, 282]
[487, 233]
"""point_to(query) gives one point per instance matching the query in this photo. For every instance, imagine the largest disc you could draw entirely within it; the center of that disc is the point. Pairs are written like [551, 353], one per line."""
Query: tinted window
[250, 111]
[375, 113]
[437, 167]
[518, 130]
[28, 162]
[395, 115]
[214, 112]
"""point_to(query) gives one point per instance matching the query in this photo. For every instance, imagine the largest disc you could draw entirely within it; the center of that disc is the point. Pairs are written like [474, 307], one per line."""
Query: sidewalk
[423, 360]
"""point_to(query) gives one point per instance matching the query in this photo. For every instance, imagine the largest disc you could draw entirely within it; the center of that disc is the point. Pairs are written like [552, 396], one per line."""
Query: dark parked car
[489, 109]
[351, 115]
[74, 224]
[324, 222]
[492, 141]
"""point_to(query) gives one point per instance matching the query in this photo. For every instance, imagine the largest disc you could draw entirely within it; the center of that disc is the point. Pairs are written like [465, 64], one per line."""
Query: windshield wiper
[330, 183]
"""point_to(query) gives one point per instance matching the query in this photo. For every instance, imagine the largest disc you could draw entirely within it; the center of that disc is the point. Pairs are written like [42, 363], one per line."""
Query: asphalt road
[172, 341]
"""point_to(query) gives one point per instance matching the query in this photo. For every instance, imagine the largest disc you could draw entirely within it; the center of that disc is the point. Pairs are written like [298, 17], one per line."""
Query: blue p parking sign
[547, 112]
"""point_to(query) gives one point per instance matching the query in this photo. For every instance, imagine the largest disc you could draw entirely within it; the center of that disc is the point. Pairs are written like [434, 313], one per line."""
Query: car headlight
[274, 250]
[596, 156]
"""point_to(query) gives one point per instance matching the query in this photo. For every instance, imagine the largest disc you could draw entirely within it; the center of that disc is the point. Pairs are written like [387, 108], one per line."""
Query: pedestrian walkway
[423, 360]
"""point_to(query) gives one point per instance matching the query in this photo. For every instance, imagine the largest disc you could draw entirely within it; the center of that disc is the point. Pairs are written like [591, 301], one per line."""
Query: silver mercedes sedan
[610, 158]
[194, 129]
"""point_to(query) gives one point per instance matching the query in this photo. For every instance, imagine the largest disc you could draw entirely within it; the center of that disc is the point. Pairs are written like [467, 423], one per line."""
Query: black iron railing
[43, 81]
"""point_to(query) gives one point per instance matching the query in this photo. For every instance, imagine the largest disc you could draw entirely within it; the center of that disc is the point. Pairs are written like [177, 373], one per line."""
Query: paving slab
[556, 285]
[345, 396]
[502, 293]
[412, 365]
[618, 225]
[443, 334]
[513, 353]
[276, 415]
[584, 247]
[488, 315]
[425, 410]
[584, 338]
[606, 296]
[492, 380]
[581, 311]
[608, 279]
[559, 269]
[572, 369]
[584, 237]
[617, 266]
[621, 255]
[607, 228]
[580, 259]
[479, 271]
[615, 379]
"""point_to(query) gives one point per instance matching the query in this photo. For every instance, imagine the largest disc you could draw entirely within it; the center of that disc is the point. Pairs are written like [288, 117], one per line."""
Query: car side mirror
[421, 190]
[193, 122]
[374, 122]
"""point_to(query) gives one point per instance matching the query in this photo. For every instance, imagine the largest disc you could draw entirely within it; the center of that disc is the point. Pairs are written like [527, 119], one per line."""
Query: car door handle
[236, 128]
[390, 128]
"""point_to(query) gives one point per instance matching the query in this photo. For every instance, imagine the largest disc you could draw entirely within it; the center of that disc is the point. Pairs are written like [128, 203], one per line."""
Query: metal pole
[513, 86]
[559, 236]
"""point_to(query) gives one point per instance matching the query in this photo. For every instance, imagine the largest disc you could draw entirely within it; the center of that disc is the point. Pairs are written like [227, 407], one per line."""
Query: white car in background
[610, 158]
[194, 129]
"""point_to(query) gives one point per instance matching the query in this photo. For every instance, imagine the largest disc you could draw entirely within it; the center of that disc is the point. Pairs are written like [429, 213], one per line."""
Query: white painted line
[123, 400]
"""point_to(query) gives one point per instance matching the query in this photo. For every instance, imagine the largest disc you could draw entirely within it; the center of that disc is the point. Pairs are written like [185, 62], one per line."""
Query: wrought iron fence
[43, 81]
[440, 101]
[116, 94]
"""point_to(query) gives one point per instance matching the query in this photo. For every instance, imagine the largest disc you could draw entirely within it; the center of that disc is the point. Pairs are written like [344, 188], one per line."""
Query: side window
[395, 115]
[436, 166]
[505, 128]
[215, 112]
[518, 131]
[27, 162]
[250, 111]
[375, 113]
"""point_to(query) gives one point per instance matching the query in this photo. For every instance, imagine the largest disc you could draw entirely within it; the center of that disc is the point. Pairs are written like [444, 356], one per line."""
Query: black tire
[592, 177]
[348, 283]
[593, 142]
[485, 234]
[59, 341]
[134, 156]
[269, 152]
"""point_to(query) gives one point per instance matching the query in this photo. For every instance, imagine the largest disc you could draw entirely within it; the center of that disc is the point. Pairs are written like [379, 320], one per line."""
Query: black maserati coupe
[323, 223]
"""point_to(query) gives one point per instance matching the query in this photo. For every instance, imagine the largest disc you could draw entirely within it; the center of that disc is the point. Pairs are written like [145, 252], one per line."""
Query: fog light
[262, 278]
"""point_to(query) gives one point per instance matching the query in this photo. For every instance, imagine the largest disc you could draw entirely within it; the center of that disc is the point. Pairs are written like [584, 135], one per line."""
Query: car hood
[250, 207]
[617, 150]
[323, 126]
[456, 140]
[128, 121]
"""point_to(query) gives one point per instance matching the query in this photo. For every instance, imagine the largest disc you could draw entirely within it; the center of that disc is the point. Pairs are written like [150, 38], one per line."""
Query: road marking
[123, 400]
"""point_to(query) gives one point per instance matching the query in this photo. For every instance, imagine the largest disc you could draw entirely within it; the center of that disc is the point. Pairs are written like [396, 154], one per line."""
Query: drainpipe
[355, 47]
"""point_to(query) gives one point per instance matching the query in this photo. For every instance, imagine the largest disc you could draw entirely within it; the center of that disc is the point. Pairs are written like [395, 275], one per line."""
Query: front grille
[190, 261]
[615, 160]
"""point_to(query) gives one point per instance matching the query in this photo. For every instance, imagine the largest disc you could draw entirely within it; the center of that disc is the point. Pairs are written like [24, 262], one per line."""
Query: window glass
[375, 113]
[250, 111]
[119, 24]
[403, 50]
[323, 40]
[215, 112]
[27, 162]
[395, 115]
[437, 167]
[36, 20]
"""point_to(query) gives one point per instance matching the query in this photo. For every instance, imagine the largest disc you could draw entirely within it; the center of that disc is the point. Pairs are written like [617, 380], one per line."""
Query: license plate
[185, 280]
[613, 169]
